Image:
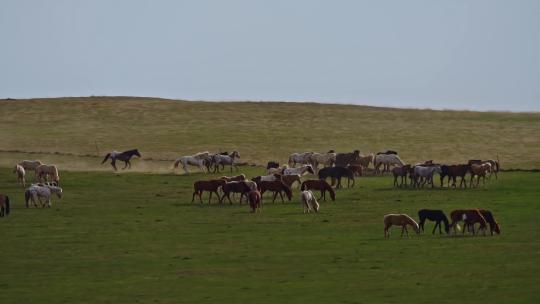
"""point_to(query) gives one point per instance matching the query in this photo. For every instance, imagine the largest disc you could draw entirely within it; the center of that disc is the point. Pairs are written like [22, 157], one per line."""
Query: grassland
[261, 131]
[130, 238]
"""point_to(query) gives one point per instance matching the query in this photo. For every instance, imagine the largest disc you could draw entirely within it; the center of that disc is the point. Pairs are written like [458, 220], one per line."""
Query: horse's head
[497, 228]
[136, 152]
[235, 154]
[310, 169]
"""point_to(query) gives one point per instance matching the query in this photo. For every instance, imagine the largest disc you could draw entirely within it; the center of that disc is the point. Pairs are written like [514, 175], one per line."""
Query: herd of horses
[279, 181]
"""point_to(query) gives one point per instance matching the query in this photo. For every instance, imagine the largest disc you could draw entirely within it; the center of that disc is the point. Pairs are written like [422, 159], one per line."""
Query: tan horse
[30, 164]
[44, 172]
[20, 174]
[399, 220]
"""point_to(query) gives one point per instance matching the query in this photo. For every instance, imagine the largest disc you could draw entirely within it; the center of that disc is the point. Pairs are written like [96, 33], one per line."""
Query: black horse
[337, 172]
[436, 216]
[345, 159]
[123, 156]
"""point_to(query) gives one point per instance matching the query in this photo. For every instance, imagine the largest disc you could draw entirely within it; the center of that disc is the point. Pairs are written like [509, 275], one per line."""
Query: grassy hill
[261, 131]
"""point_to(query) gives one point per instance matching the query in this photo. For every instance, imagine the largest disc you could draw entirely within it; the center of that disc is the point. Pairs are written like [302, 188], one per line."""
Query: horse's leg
[274, 198]
[406, 231]
[193, 197]
[129, 164]
[281, 195]
[434, 228]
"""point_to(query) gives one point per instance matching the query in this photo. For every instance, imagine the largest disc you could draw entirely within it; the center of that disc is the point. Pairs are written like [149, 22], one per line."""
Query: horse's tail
[176, 162]
[498, 163]
[7, 205]
[56, 177]
[401, 162]
[27, 196]
[106, 157]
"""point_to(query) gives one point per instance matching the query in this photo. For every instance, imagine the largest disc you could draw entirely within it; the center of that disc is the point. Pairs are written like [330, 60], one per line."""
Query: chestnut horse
[399, 220]
[277, 187]
[211, 186]
[319, 184]
[453, 172]
[254, 198]
[469, 217]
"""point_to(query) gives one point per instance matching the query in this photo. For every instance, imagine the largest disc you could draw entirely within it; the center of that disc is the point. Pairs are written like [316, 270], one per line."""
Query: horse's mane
[411, 219]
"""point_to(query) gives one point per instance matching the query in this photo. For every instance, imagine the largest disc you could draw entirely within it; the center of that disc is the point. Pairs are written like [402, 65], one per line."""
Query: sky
[455, 54]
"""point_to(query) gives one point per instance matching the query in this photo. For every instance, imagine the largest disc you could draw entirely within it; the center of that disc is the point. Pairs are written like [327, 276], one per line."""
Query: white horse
[46, 172]
[300, 170]
[20, 174]
[30, 164]
[37, 192]
[299, 158]
[326, 159]
[219, 159]
[423, 175]
[309, 201]
[198, 160]
[387, 160]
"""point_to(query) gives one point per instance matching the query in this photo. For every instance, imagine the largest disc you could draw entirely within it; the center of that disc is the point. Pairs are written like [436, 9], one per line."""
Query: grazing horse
[30, 165]
[479, 170]
[309, 201]
[237, 178]
[46, 172]
[399, 220]
[327, 159]
[211, 186]
[277, 187]
[437, 216]
[4, 205]
[344, 159]
[223, 160]
[123, 156]
[241, 187]
[493, 224]
[300, 170]
[401, 172]
[36, 192]
[337, 173]
[423, 175]
[386, 160]
[299, 158]
[201, 160]
[319, 184]
[19, 170]
[289, 180]
[469, 217]
[255, 198]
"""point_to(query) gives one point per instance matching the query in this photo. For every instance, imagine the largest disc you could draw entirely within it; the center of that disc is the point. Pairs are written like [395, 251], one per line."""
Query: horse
[400, 172]
[237, 178]
[299, 158]
[277, 187]
[453, 172]
[201, 160]
[309, 201]
[425, 174]
[36, 192]
[254, 198]
[319, 184]
[235, 187]
[327, 159]
[4, 205]
[337, 173]
[493, 224]
[386, 160]
[211, 186]
[399, 220]
[437, 216]
[19, 170]
[268, 178]
[123, 156]
[358, 170]
[469, 217]
[46, 172]
[30, 164]
[344, 159]
[364, 160]
[300, 170]
[289, 180]
[223, 160]
[479, 170]
[495, 167]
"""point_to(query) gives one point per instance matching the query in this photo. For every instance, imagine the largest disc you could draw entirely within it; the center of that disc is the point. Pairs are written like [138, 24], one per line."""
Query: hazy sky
[438, 54]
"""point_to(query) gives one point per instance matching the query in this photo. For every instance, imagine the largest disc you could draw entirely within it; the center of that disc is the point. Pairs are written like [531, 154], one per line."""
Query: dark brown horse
[453, 172]
[337, 173]
[241, 187]
[211, 186]
[344, 159]
[493, 224]
[277, 187]
[401, 172]
[4, 205]
[469, 217]
[289, 180]
[254, 198]
[321, 185]
[358, 170]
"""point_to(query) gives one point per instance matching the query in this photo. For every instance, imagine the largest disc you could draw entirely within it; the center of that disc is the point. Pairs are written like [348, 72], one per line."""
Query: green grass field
[132, 237]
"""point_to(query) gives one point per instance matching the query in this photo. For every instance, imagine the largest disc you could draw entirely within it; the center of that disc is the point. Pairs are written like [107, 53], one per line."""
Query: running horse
[123, 156]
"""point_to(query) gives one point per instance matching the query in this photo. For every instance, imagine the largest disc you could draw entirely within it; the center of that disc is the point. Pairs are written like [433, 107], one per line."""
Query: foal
[437, 216]
[254, 198]
[20, 174]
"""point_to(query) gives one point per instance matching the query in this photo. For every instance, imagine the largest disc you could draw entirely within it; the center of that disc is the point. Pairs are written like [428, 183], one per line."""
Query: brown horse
[344, 159]
[241, 187]
[277, 187]
[358, 170]
[4, 205]
[211, 186]
[399, 220]
[479, 170]
[289, 180]
[254, 198]
[401, 172]
[319, 184]
[453, 172]
[493, 224]
[237, 178]
[469, 217]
